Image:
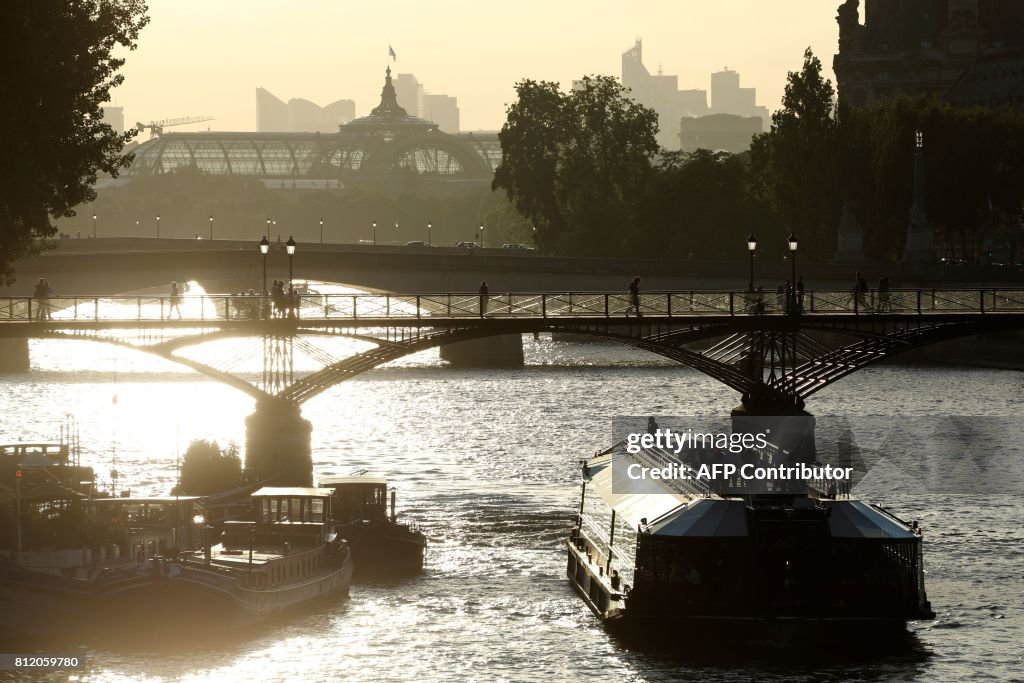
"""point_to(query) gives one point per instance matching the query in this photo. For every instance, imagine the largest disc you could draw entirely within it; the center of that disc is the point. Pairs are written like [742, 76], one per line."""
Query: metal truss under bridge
[769, 348]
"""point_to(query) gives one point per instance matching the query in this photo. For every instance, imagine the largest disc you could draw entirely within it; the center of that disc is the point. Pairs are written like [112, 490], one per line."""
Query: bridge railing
[507, 305]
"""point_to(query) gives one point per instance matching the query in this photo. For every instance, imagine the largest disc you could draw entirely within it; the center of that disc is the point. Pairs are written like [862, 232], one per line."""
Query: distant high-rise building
[728, 132]
[115, 117]
[442, 110]
[661, 93]
[299, 115]
[727, 97]
[968, 51]
[410, 93]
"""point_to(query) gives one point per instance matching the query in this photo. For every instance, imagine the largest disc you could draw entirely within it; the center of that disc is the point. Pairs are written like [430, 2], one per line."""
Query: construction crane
[156, 128]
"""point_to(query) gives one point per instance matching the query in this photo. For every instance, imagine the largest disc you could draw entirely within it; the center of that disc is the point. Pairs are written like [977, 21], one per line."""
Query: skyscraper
[442, 110]
[409, 92]
[661, 93]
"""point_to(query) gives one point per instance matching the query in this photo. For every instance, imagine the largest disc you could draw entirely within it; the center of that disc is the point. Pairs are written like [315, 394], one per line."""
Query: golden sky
[208, 56]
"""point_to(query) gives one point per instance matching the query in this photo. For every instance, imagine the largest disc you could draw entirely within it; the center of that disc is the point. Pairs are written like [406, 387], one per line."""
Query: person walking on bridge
[860, 290]
[484, 297]
[175, 300]
[42, 294]
[634, 297]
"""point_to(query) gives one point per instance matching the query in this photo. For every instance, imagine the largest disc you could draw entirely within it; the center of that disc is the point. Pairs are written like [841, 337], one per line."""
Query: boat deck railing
[657, 457]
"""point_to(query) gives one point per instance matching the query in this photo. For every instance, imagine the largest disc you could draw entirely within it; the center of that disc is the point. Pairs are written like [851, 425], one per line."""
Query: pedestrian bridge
[773, 351]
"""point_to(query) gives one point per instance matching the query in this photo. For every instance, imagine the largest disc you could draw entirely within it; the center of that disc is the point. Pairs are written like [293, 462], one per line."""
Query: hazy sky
[208, 56]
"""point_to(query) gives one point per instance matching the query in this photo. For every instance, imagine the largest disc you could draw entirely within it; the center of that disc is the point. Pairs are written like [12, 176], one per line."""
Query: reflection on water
[486, 463]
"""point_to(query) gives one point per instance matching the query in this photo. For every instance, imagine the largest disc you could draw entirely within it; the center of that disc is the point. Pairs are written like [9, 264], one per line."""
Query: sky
[207, 57]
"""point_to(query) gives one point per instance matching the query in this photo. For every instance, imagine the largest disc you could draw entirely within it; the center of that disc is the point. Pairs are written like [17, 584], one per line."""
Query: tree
[700, 203]
[504, 225]
[576, 165]
[973, 172]
[59, 68]
[795, 161]
[208, 469]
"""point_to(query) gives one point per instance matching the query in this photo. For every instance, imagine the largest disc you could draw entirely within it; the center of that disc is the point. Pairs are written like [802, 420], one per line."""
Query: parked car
[517, 246]
[417, 243]
[468, 245]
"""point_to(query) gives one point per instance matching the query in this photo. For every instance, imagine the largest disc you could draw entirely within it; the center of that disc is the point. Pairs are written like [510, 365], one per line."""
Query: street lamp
[751, 247]
[483, 242]
[791, 240]
[429, 242]
[267, 233]
[211, 227]
[321, 231]
[94, 226]
[158, 226]
[264, 249]
[290, 246]
[374, 226]
[919, 139]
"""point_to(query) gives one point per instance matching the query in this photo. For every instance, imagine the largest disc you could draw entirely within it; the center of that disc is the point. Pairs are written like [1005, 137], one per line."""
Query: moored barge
[659, 556]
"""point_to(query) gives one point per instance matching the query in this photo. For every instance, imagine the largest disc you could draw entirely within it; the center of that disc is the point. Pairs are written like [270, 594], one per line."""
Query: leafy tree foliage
[796, 163]
[208, 469]
[505, 225]
[59, 67]
[576, 164]
[974, 169]
[701, 204]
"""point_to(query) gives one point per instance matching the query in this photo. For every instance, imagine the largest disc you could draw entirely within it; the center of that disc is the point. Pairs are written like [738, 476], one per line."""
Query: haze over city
[202, 58]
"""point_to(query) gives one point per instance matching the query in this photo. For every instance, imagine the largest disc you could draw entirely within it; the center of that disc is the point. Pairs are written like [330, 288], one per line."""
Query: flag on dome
[391, 53]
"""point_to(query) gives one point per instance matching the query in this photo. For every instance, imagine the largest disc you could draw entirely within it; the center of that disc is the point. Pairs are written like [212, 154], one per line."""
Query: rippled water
[486, 463]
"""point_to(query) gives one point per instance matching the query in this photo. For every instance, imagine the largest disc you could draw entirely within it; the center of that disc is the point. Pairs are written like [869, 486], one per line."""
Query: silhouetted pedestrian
[41, 294]
[860, 289]
[175, 300]
[652, 425]
[634, 297]
[484, 297]
[800, 294]
[883, 295]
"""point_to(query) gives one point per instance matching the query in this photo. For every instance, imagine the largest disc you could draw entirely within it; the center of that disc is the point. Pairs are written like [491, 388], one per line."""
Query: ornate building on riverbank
[968, 51]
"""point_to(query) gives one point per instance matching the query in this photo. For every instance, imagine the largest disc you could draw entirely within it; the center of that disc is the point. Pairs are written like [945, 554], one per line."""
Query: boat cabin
[43, 463]
[290, 516]
[359, 498]
[150, 526]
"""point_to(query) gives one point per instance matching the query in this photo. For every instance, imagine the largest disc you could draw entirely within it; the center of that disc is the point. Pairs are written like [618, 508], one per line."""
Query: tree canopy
[59, 67]
[795, 163]
[576, 164]
[208, 469]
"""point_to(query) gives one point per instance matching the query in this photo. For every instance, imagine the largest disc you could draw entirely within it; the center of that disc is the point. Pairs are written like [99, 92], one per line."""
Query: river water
[486, 462]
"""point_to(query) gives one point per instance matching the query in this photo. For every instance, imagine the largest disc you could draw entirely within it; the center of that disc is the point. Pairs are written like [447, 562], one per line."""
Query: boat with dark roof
[382, 546]
[653, 556]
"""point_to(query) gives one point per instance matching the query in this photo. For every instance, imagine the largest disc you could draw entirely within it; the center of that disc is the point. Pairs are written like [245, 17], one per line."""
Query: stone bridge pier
[278, 443]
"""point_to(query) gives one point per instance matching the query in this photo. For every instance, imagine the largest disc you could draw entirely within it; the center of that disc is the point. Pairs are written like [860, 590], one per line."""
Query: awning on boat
[632, 499]
[857, 519]
[705, 517]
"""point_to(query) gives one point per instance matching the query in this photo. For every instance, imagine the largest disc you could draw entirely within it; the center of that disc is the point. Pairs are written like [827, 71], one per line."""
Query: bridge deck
[447, 309]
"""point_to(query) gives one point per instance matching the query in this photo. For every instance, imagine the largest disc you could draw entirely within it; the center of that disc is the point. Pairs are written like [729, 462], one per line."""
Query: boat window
[317, 510]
